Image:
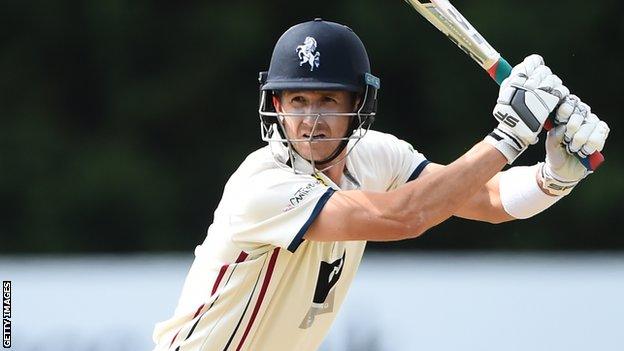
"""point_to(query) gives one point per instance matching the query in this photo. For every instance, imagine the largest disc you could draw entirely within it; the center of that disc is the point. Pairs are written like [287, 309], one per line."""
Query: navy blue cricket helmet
[319, 55]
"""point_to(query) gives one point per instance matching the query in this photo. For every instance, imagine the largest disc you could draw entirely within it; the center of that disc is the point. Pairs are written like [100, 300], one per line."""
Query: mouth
[316, 136]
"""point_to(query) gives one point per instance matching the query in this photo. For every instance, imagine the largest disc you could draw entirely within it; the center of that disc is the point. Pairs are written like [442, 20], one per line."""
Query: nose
[310, 120]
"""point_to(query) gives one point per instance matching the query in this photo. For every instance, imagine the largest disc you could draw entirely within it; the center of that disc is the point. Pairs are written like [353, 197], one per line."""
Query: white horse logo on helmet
[307, 53]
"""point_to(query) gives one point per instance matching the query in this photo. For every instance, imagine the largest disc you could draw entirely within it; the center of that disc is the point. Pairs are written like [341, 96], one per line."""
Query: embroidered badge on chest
[307, 53]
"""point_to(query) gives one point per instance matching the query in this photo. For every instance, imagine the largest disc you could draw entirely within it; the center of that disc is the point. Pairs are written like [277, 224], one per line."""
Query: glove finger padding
[553, 85]
[580, 138]
[598, 137]
[583, 108]
[572, 126]
[528, 65]
[595, 140]
[579, 122]
[537, 78]
[566, 109]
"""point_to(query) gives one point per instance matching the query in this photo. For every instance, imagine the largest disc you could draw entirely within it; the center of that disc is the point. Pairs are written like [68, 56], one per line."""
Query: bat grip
[501, 70]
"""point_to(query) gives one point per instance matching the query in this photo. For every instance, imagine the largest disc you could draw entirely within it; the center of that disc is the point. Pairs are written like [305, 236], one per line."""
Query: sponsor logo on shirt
[300, 195]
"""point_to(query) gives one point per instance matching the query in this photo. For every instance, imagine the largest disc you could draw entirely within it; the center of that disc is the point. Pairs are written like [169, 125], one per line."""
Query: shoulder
[260, 188]
[258, 168]
[382, 161]
[374, 137]
[379, 146]
[256, 162]
[260, 171]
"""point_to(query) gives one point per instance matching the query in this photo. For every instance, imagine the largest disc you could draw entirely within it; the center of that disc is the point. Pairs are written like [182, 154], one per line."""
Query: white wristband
[520, 194]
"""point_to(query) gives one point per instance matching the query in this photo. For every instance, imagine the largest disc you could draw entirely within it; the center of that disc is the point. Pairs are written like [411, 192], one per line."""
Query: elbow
[416, 225]
[405, 232]
[496, 220]
[500, 218]
[407, 225]
[409, 231]
[413, 233]
[406, 220]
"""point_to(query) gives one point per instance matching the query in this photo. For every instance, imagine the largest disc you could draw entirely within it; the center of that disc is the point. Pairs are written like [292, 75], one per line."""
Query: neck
[336, 171]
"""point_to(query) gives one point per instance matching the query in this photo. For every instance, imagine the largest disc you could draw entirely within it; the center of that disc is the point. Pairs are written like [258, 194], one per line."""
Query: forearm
[522, 196]
[485, 205]
[436, 196]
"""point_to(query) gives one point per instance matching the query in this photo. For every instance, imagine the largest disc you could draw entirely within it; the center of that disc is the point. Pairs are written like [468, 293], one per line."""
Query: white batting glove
[525, 99]
[578, 132]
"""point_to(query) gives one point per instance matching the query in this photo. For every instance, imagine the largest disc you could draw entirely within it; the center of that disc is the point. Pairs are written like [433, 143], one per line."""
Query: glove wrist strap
[509, 146]
[553, 184]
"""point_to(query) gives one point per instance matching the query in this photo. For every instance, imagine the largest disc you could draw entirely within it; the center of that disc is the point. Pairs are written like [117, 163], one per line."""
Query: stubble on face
[319, 124]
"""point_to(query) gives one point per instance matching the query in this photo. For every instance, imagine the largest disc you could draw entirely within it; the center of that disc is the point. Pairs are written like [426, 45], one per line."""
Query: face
[327, 126]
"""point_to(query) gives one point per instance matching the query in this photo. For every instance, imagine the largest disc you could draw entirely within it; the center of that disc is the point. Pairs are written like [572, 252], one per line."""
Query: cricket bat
[449, 21]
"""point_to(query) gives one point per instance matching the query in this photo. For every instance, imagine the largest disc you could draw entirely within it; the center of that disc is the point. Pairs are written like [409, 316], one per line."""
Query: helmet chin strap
[334, 154]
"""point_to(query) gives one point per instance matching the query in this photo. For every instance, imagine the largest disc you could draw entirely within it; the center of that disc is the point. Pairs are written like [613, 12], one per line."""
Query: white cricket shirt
[255, 284]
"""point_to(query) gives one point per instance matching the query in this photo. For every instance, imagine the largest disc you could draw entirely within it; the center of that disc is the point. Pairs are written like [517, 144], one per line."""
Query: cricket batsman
[290, 230]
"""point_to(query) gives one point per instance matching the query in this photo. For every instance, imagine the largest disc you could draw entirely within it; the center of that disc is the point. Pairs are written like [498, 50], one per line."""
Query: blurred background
[122, 121]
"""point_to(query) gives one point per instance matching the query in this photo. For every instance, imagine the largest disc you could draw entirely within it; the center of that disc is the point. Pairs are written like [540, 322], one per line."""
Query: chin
[316, 154]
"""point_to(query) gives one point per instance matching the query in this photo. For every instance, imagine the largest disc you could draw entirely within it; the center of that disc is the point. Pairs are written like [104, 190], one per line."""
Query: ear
[277, 104]
[357, 98]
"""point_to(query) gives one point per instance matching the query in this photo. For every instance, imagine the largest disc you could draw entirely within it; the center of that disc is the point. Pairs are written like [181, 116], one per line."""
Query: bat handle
[501, 70]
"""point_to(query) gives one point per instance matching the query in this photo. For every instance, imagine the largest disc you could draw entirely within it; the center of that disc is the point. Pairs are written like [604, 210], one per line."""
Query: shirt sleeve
[276, 208]
[394, 161]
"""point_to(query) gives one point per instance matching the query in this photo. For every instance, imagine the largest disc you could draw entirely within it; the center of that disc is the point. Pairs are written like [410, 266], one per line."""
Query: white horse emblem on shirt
[307, 53]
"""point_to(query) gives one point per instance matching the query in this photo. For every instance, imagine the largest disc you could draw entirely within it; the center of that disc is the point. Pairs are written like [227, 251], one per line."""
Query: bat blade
[448, 20]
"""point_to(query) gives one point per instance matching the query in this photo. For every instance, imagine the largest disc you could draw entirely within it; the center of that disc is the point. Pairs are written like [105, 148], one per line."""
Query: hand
[525, 99]
[578, 132]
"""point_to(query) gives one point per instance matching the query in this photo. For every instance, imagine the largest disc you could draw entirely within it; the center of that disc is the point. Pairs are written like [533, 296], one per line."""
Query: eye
[329, 99]
[297, 100]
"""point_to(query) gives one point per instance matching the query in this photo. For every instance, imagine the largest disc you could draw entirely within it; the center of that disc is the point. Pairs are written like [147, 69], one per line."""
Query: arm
[411, 209]
[523, 105]
[485, 205]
